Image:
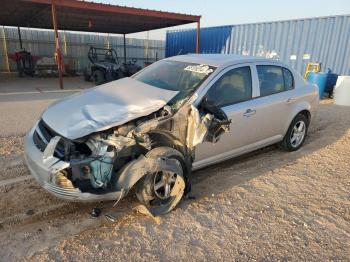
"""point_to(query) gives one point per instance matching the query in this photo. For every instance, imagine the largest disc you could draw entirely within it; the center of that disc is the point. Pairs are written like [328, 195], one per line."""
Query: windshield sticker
[201, 69]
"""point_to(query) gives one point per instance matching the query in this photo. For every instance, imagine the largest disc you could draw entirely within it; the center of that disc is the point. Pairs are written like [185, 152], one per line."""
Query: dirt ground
[268, 205]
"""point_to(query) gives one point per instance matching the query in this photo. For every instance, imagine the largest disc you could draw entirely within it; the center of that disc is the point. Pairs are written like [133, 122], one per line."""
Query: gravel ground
[12, 145]
[268, 205]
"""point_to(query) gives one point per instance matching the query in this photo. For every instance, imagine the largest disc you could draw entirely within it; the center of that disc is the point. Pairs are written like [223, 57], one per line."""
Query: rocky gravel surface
[269, 205]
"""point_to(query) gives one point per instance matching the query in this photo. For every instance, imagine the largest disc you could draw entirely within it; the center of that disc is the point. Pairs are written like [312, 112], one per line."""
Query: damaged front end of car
[106, 164]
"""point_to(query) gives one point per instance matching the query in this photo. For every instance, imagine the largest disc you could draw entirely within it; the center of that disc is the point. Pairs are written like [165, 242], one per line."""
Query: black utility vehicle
[105, 66]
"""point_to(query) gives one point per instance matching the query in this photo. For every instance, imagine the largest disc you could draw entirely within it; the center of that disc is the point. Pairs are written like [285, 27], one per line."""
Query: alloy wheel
[298, 134]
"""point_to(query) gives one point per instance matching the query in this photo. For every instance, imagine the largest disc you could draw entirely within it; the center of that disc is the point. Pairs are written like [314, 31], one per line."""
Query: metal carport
[74, 15]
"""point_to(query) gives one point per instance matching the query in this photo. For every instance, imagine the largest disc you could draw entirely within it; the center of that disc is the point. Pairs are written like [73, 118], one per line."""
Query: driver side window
[233, 87]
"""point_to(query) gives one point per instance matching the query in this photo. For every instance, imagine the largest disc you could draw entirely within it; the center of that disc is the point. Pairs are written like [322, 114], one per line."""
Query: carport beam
[19, 37]
[124, 49]
[57, 45]
[197, 37]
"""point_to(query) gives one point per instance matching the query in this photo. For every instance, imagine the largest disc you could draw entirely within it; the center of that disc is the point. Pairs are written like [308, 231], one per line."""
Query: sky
[226, 12]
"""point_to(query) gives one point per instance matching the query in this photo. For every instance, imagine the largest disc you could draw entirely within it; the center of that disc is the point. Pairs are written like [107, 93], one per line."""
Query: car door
[233, 91]
[274, 103]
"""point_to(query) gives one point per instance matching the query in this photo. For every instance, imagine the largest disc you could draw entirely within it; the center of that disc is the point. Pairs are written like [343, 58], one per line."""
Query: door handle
[291, 99]
[249, 112]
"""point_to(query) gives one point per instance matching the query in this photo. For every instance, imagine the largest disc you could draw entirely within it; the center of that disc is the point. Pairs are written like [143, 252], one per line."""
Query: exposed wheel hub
[163, 184]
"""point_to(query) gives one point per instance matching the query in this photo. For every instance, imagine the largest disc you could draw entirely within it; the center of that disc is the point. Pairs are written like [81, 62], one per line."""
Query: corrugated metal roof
[76, 15]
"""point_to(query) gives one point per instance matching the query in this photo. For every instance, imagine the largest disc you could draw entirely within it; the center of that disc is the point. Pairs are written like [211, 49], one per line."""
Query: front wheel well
[164, 139]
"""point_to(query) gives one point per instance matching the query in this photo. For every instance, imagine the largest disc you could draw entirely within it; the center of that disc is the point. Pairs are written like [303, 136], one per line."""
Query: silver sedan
[151, 130]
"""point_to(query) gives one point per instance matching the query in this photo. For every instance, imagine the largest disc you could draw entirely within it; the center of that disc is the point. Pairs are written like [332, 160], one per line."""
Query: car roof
[219, 60]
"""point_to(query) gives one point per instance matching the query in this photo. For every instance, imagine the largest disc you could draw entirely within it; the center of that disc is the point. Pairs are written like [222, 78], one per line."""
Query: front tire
[296, 133]
[99, 77]
[154, 189]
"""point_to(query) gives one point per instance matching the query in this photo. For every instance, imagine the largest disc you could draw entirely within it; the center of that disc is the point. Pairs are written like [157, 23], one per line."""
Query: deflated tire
[161, 190]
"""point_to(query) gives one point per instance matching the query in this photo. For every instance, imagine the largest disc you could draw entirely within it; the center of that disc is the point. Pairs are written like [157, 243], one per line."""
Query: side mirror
[220, 122]
[209, 107]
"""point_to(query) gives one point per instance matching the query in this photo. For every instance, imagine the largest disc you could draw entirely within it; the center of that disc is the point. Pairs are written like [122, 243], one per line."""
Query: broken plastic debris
[110, 218]
[95, 212]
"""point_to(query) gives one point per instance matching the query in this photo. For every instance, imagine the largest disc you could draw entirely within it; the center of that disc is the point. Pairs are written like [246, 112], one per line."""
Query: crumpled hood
[105, 106]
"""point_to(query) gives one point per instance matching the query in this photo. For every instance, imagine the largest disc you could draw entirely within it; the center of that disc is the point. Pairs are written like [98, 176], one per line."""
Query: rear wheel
[296, 133]
[99, 77]
[160, 191]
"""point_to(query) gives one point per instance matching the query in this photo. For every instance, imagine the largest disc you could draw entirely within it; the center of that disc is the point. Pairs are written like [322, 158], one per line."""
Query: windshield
[176, 76]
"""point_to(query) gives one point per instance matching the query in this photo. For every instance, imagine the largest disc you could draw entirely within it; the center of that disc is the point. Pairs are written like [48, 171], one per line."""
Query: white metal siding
[41, 43]
[326, 39]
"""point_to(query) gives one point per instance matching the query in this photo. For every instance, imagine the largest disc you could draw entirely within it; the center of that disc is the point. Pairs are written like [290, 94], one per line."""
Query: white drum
[342, 91]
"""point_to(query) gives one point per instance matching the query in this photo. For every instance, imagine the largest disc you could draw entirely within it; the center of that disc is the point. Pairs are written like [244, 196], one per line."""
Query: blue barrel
[320, 79]
[331, 81]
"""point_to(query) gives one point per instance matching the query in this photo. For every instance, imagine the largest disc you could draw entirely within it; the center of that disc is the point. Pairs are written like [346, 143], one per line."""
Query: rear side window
[233, 87]
[274, 79]
[288, 79]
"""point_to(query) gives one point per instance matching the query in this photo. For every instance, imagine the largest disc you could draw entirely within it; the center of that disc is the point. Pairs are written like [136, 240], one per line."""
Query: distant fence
[74, 46]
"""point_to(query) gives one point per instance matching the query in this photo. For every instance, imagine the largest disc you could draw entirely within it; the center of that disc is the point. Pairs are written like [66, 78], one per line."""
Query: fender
[136, 169]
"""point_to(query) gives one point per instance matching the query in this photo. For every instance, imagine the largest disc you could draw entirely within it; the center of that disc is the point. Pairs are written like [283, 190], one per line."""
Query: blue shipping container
[213, 40]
